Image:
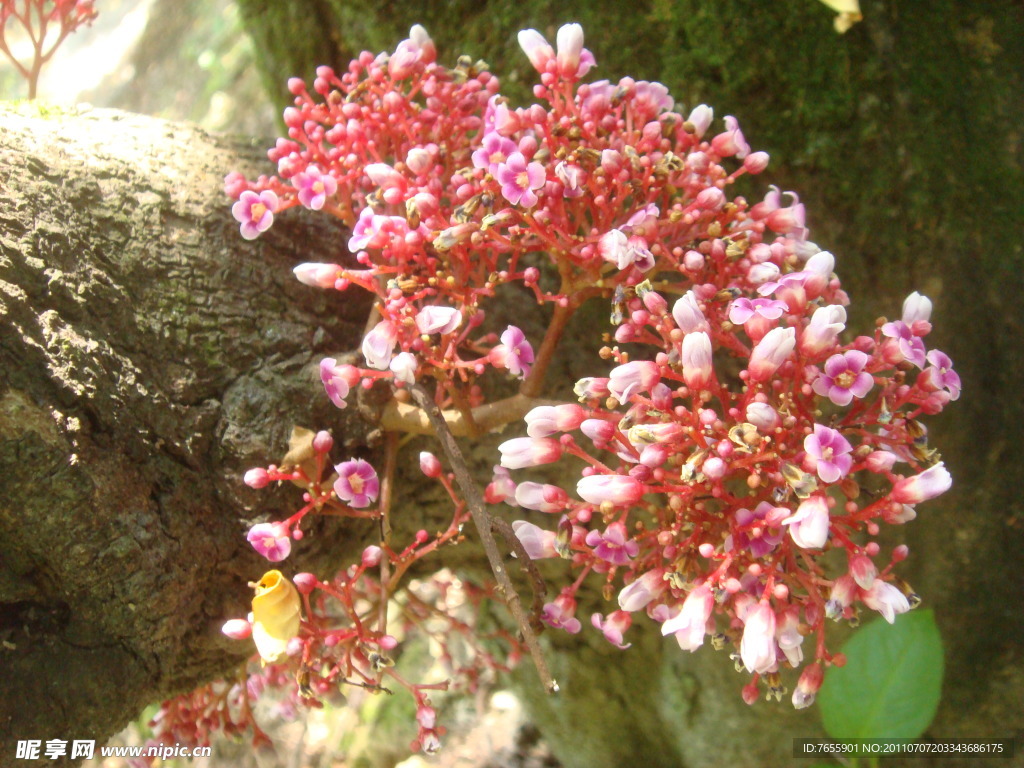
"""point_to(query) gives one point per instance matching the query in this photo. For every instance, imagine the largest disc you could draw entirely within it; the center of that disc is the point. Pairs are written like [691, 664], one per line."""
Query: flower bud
[429, 464]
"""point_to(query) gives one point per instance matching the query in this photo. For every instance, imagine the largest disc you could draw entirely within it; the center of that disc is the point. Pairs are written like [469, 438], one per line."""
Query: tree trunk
[148, 356]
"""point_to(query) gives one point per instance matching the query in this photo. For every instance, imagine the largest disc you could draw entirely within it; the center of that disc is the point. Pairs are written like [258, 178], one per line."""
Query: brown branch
[483, 522]
[403, 417]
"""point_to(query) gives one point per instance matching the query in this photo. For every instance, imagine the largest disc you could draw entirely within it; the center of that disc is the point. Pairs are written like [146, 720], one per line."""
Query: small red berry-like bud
[429, 464]
[305, 583]
[257, 478]
[371, 556]
[323, 442]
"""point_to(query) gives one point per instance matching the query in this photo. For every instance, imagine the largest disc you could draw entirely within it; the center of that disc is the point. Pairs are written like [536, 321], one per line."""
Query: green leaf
[890, 686]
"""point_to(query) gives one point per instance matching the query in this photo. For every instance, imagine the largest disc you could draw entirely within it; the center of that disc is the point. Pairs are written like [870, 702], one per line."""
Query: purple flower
[910, 346]
[357, 483]
[828, 454]
[518, 180]
[743, 309]
[638, 594]
[514, 352]
[337, 380]
[271, 540]
[759, 530]
[494, 150]
[314, 187]
[255, 212]
[940, 375]
[613, 546]
[844, 378]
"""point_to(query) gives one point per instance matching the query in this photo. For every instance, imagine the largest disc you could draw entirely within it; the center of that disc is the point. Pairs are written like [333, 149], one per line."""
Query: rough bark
[148, 355]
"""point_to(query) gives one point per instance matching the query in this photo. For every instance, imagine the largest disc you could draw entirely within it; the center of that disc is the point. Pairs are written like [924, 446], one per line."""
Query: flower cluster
[739, 437]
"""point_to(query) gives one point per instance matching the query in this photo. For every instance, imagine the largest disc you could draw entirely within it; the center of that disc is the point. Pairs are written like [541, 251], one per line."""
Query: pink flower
[788, 637]
[771, 352]
[430, 466]
[696, 359]
[494, 150]
[863, 571]
[518, 180]
[272, 540]
[686, 312]
[828, 454]
[809, 526]
[418, 49]
[404, 365]
[844, 378]
[700, 118]
[741, 310]
[623, 251]
[537, 542]
[237, 629]
[522, 452]
[690, 624]
[501, 488]
[256, 478]
[317, 275]
[546, 420]
[560, 614]
[541, 497]
[825, 326]
[438, 319]
[514, 352]
[368, 231]
[808, 686]
[573, 60]
[613, 546]
[314, 187]
[536, 48]
[337, 380]
[255, 212]
[357, 483]
[731, 142]
[633, 378]
[886, 599]
[621, 490]
[571, 177]
[614, 627]
[379, 345]
[933, 482]
[638, 594]
[916, 309]
[763, 416]
[757, 647]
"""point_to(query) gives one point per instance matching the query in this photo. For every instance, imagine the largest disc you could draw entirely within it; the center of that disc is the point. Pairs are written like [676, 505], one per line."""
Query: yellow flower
[275, 615]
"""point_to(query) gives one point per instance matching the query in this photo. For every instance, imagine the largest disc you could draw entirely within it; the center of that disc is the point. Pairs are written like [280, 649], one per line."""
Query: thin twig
[482, 521]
